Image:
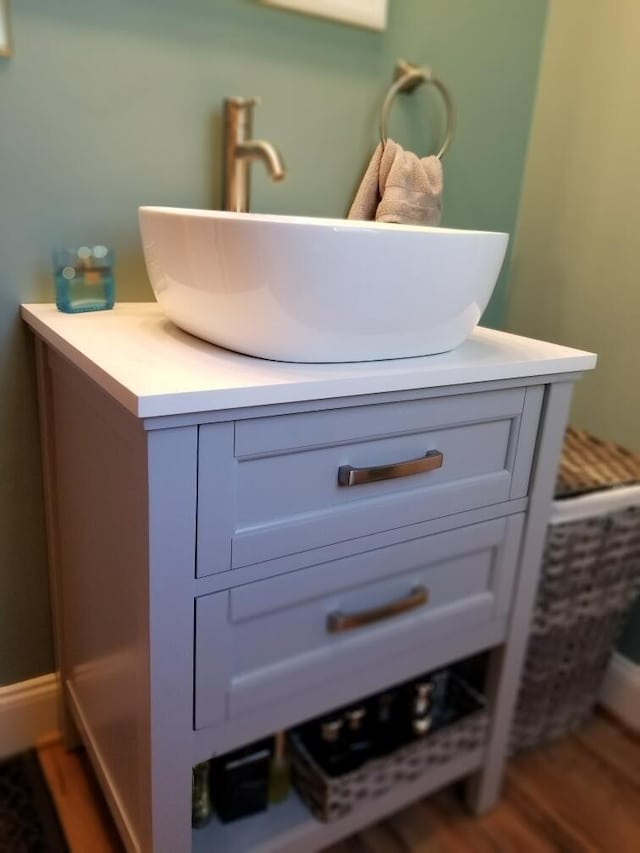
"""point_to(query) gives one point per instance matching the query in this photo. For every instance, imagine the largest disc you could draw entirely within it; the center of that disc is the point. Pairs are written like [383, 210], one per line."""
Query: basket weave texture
[588, 464]
[331, 798]
[590, 576]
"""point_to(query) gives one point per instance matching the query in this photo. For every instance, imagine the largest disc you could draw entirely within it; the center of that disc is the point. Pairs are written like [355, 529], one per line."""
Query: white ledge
[153, 368]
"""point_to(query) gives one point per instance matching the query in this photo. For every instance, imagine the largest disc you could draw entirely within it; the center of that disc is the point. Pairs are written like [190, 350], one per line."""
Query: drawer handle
[338, 622]
[350, 476]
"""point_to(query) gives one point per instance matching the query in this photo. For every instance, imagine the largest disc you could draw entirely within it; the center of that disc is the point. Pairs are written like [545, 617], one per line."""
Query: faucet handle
[241, 103]
[238, 118]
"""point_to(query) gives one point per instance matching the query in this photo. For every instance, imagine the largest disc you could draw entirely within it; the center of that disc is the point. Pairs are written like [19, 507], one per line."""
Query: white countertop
[155, 369]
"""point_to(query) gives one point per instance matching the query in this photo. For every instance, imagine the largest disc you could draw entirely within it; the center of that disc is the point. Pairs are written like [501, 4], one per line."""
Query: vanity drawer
[279, 485]
[259, 643]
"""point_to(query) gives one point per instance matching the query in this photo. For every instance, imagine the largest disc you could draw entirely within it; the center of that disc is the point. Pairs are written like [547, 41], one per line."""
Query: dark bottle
[443, 708]
[388, 732]
[440, 692]
[328, 746]
[419, 710]
[358, 736]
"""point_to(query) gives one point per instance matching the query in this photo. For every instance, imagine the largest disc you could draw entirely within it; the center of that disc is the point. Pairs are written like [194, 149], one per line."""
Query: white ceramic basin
[318, 290]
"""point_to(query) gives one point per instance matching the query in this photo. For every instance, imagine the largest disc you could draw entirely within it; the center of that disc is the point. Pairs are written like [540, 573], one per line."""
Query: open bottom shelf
[290, 828]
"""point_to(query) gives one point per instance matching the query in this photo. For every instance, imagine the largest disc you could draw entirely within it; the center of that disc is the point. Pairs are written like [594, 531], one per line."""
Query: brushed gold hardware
[240, 150]
[350, 476]
[339, 622]
[5, 29]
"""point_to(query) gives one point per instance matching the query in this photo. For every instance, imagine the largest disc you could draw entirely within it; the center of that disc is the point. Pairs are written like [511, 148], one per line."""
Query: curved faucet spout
[260, 149]
[240, 150]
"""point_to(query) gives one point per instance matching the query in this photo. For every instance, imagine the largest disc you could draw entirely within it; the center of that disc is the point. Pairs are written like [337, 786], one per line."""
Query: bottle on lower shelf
[326, 738]
[386, 711]
[420, 704]
[201, 809]
[279, 771]
[358, 735]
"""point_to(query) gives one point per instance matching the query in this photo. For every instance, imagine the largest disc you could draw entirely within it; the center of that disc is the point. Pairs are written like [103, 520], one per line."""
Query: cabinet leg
[506, 662]
[482, 790]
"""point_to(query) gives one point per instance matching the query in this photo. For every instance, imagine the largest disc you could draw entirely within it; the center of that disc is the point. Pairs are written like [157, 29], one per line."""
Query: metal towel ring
[408, 77]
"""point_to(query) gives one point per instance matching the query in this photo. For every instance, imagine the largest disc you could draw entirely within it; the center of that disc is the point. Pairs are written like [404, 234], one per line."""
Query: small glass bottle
[420, 716]
[279, 771]
[388, 734]
[358, 736]
[84, 279]
[331, 751]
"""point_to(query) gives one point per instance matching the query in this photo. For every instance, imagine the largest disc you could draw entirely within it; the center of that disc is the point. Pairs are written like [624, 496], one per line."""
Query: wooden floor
[578, 795]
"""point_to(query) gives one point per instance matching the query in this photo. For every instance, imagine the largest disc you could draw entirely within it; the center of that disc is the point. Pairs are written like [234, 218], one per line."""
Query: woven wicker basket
[331, 798]
[589, 464]
[590, 576]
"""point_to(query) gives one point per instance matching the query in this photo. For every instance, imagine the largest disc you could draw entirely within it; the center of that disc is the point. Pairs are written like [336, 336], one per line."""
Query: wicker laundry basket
[590, 575]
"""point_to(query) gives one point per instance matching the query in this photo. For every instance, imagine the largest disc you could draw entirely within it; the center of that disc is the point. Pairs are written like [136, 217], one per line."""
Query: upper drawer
[274, 487]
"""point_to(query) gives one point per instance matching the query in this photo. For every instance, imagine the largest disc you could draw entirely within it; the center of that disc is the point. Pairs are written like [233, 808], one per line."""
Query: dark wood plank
[583, 797]
[501, 831]
[617, 747]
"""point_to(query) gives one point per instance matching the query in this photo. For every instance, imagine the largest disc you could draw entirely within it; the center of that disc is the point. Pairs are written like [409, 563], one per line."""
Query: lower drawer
[259, 643]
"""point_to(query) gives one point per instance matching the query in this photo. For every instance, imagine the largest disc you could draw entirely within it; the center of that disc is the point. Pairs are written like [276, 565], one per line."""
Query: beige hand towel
[399, 187]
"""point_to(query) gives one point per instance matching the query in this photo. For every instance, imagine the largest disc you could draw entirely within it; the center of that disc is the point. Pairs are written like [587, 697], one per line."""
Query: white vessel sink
[318, 290]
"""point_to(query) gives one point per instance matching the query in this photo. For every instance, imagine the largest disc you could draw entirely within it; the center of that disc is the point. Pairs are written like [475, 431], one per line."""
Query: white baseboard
[620, 691]
[28, 713]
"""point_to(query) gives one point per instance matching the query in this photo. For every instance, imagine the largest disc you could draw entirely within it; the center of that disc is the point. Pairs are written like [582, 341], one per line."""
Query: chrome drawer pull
[338, 622]
[350, 476]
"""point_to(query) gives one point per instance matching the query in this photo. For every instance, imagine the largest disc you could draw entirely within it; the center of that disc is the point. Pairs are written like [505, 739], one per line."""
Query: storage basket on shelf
[330, 798]
[589, 578]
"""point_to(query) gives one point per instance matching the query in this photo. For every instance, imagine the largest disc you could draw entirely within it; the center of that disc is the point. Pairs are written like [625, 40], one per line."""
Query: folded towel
[399, 187]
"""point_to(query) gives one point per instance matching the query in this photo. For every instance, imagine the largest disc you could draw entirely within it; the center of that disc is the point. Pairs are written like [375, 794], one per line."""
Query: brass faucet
[240, 149]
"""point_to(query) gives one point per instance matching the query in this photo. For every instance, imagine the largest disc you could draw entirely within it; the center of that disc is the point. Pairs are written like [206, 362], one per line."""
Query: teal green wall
[109, 104]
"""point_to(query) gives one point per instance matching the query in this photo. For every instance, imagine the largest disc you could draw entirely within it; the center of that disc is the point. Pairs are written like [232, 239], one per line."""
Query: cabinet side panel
[506, 664]
[102, 572]
[50, 488]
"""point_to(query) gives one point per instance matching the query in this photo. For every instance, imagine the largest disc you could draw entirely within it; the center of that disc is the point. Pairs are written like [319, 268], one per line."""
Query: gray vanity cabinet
[215, 578]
